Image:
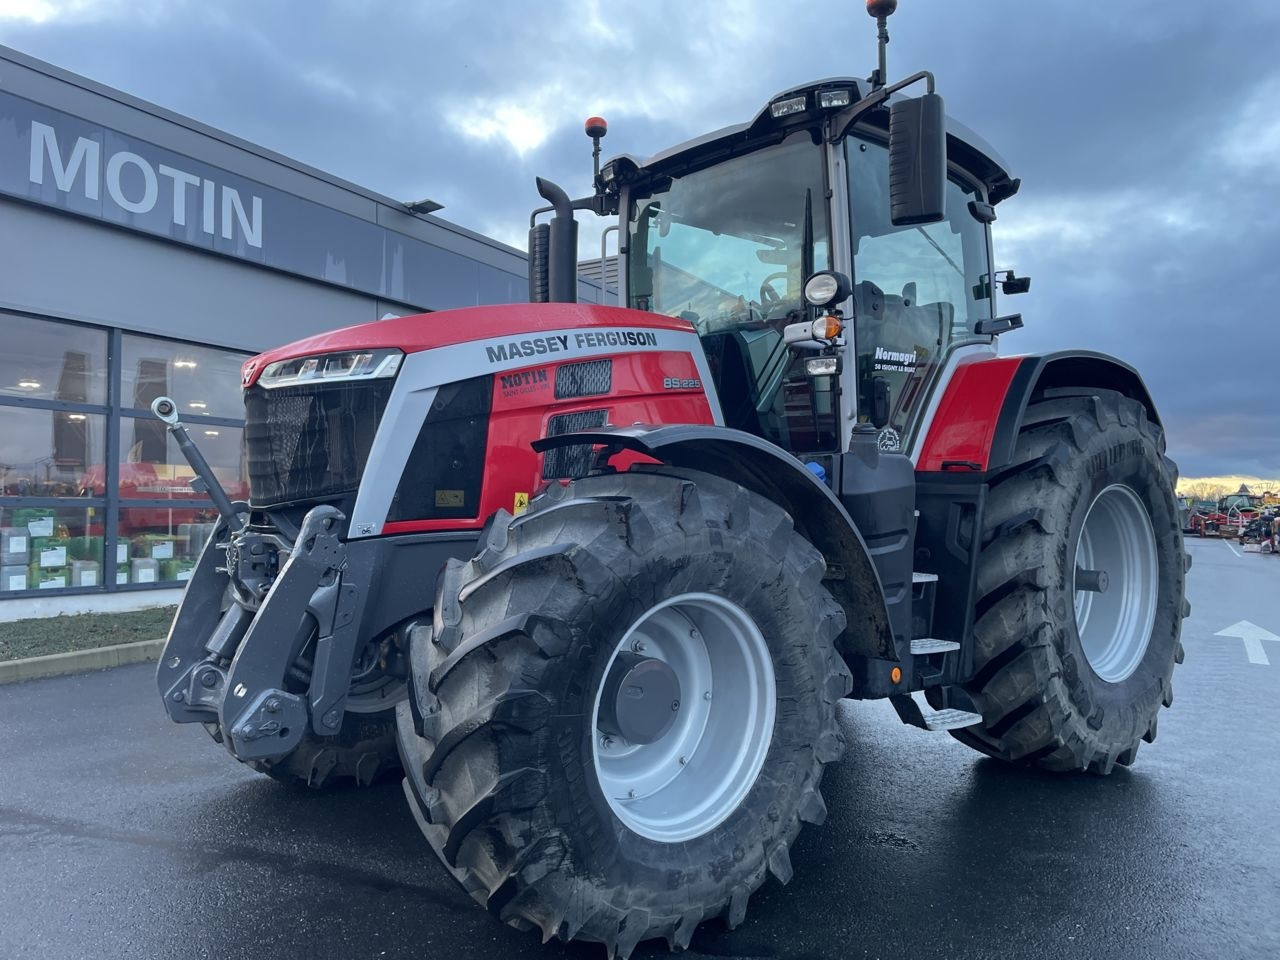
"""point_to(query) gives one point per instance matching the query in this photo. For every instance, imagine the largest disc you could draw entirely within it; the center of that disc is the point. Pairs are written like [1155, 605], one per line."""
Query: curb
[80, 661]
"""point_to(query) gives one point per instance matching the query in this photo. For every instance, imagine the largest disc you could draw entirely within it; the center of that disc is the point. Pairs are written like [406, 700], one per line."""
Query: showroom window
[94, 494]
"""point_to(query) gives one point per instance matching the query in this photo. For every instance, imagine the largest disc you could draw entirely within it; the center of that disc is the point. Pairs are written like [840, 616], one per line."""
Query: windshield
[1240, 501]
[730, 246]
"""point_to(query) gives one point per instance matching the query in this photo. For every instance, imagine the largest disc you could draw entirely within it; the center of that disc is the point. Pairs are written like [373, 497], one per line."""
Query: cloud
[41, 11]
[1148, 139]
[1251, 145]
[82, 11]
[1079, 223]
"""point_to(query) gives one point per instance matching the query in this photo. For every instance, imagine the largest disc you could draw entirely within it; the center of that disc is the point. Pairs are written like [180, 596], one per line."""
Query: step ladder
[928, 647]
[916, 714]
[930, 669]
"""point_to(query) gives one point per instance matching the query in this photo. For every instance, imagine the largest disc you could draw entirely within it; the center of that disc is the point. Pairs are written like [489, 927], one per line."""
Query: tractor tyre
[362, 753]
[1080, 584]
[620, 718]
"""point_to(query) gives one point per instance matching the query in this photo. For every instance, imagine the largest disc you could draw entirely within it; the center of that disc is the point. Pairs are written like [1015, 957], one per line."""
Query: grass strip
[81, 631]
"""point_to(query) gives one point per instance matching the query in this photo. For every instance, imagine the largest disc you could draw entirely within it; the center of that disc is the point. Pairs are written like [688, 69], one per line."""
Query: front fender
[770, 471]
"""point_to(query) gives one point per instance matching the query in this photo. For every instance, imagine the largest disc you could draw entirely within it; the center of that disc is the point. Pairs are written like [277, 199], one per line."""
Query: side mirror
[1012, 284]
[917, 161]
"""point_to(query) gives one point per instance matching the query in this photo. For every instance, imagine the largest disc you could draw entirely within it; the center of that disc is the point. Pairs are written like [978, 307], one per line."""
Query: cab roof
[964, 146]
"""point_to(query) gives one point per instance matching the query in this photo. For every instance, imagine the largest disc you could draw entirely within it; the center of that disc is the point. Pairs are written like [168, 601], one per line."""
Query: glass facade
[94, 495]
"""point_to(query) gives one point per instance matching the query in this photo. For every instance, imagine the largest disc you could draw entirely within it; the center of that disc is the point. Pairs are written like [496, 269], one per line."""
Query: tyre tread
[1028, 714]
[481, 691]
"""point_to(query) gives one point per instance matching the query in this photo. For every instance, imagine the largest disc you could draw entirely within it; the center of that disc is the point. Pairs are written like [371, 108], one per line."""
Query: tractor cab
[1240, 502]
[727, 230]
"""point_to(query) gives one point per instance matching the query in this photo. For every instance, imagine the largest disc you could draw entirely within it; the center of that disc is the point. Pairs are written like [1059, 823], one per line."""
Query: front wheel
[1080, 585]
[363, 751]
[621, 716]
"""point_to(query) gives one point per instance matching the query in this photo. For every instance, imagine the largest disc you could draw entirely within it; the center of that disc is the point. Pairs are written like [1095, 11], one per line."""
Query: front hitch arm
[205, 481]
[315, 593]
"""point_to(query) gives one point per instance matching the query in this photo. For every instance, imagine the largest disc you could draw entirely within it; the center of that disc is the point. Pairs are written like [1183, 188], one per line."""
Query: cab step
[926, 646]
[949, 718]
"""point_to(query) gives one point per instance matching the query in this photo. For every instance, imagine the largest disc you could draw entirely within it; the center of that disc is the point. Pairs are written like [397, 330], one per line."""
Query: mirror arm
[875, 99]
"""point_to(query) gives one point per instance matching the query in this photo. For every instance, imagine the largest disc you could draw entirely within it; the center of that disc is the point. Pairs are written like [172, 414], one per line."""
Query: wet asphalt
[123, 835]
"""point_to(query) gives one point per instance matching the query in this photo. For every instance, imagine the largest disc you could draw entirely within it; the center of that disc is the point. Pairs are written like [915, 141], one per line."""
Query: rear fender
[979, 416]
[773, 473]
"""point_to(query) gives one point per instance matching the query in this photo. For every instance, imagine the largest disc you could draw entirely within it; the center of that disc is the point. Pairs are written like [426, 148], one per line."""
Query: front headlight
[822, 366]
[826, 288]
[787, 106]
[329, 367]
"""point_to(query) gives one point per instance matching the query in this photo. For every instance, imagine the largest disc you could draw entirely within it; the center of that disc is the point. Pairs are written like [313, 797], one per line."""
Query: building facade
[145, 254]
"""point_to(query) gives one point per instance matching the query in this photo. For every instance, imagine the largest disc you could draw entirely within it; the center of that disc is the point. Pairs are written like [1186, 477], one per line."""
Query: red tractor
[596, 578]
[1229, 517]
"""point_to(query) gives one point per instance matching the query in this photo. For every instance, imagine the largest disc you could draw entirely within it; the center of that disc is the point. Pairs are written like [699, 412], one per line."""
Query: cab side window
[917, 289]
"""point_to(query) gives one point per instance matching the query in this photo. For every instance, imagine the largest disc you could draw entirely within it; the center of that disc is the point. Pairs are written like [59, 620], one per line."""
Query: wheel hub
[640, 700]
[1116, 583]
[684, 717]
[1095, 581]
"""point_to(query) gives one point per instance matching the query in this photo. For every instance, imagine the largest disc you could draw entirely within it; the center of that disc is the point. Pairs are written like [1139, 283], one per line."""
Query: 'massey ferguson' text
[560, 343]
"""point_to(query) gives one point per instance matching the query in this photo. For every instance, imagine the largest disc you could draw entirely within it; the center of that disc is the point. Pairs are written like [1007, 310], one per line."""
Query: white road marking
[1252, 635]
[1233, 549]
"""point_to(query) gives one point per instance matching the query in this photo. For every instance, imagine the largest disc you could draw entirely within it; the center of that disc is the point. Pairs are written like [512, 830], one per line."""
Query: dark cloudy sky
[1147, 134]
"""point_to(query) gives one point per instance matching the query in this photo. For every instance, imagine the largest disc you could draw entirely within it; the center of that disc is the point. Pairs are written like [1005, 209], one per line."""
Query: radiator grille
[573, 461]
[591, 378]
[310, 441]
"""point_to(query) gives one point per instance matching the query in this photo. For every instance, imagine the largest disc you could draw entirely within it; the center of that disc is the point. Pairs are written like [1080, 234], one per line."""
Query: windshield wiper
[806, 238]
[934, 244]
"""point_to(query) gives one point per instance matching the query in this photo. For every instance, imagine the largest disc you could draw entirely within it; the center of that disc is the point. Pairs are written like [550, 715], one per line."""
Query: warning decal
[450, 498]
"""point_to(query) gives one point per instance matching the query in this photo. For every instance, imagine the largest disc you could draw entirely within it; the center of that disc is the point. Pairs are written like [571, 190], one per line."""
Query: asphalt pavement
[123, 835]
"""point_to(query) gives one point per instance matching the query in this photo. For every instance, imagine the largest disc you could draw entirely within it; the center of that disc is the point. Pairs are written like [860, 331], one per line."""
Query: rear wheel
[621, 717]
[1080, 581]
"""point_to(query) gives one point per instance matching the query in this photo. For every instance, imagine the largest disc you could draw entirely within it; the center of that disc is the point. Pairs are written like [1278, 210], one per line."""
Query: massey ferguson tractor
[596, 578]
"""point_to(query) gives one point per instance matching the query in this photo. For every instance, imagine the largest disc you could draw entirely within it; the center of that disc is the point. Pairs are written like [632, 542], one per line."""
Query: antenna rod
[596, 128]
[882, 72]
[881, 10]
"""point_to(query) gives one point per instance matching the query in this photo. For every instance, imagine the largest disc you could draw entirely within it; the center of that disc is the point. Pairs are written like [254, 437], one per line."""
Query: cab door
[918, 293]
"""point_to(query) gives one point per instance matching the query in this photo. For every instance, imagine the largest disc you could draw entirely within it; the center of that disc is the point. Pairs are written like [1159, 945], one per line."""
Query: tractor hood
[427, 331]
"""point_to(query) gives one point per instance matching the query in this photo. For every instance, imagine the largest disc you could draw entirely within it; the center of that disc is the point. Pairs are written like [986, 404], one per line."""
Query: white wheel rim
[696, 774]
[1115, 626]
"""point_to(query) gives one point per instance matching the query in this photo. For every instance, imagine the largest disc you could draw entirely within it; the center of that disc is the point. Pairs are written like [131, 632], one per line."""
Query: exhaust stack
[562, 245]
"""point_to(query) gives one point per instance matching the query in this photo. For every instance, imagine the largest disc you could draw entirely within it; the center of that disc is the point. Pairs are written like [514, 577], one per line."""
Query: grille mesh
[590, 378]
[574, 461]
[310, 441]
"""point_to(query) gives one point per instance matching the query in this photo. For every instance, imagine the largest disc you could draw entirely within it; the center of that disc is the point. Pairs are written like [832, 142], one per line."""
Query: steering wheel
[769, 297]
